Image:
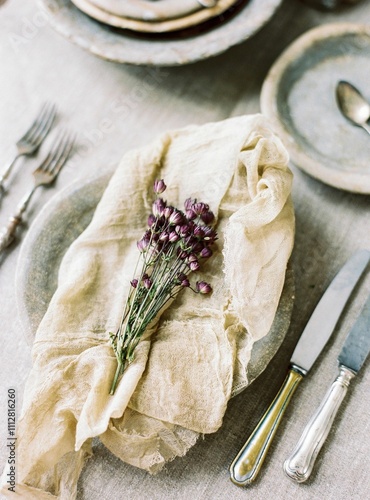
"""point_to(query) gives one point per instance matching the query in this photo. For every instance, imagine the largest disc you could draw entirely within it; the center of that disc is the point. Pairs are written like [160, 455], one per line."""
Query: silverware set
[317, 332]
[47, 171]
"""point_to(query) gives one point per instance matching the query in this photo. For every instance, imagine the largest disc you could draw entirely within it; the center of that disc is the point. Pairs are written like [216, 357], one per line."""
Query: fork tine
[44, 127]
[35, 124]
[58, 154]
[45, 165]
[66, 151]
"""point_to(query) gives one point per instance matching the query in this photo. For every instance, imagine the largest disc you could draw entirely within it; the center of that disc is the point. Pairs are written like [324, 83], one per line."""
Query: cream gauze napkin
[184, 375]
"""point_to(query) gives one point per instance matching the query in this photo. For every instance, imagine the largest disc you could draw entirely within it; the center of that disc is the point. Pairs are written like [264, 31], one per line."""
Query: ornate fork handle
[7, 235]
[6, 171]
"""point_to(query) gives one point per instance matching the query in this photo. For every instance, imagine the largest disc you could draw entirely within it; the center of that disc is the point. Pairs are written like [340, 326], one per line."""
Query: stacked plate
[156, 16]
[158, 32]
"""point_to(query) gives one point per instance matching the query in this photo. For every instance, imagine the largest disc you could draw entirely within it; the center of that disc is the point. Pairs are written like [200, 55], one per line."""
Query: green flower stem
[123, 326]
[117, 375]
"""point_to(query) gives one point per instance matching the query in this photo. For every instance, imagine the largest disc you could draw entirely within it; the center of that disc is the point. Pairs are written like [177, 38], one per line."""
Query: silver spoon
[353, 105]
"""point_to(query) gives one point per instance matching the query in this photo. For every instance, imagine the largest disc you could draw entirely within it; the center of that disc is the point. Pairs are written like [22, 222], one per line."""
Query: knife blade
[354, 352]
[249, 460]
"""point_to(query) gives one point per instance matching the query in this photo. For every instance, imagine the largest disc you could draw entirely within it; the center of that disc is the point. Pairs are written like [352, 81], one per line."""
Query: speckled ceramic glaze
[299, 97]
[126, 47]
[58, 225]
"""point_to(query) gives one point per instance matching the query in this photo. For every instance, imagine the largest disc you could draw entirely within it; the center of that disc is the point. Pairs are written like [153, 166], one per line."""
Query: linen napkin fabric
[184, 374]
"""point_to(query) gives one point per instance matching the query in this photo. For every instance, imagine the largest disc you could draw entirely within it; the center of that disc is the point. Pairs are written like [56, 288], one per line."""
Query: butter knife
[354, 352]
[317, 332]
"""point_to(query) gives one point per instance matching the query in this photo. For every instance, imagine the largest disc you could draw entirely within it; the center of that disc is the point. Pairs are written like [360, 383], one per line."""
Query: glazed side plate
[298, 95]
[59, 223]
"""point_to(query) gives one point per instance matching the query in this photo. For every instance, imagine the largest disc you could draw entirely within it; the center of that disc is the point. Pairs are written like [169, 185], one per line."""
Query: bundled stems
[173, 246]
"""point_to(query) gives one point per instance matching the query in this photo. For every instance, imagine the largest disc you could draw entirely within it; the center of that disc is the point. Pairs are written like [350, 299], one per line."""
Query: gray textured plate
[122, 47]
[58, 225]
[298, 95]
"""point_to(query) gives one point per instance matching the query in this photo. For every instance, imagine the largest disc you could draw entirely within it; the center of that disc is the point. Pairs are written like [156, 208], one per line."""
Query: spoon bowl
[353, 105]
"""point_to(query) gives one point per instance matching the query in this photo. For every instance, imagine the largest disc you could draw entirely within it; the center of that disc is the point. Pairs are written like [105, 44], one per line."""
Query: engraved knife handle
[300, 464]
[247, 463]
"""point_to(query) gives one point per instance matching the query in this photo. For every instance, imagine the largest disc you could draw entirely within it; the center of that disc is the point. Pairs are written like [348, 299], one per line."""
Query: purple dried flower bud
[175, 217]
[159, 247]
[198, 231]
[192, 258]
[158, 207]
[134, 283]
[197, 247]
[159, 186]
[145, 276]
[173, 237]
[167, 212]
[189, 203]
[181, 254]
[151, 220]
[210, 234]
[208, 217]
[190, 214]
[163, 236]
[200, 208]
[183, 231]
[203, 287]
[144, 242]
[181, 277]
[194, 266]
[147, 283]
[206, 252]
[185, 283]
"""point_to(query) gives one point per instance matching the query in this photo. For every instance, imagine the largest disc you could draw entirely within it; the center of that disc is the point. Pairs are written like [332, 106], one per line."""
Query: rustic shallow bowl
[124, 46]
[298, 95]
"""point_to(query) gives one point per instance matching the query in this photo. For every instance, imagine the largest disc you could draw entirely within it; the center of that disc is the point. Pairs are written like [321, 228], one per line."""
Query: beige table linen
[200, 351]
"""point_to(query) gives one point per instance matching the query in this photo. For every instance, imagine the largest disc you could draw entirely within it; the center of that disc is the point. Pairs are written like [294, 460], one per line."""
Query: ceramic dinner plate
[123, 47]
[150, 10]
[187, 21]
[298, 95]
[59, 223]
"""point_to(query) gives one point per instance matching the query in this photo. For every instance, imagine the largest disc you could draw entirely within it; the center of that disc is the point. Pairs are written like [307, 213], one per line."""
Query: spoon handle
[366, 127]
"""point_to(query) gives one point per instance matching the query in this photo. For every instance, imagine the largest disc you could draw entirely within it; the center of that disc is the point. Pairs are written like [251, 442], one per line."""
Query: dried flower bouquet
[173, 246]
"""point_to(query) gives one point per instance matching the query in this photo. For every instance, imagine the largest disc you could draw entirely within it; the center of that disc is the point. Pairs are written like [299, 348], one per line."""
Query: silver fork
[44, 175]
[32, 139]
